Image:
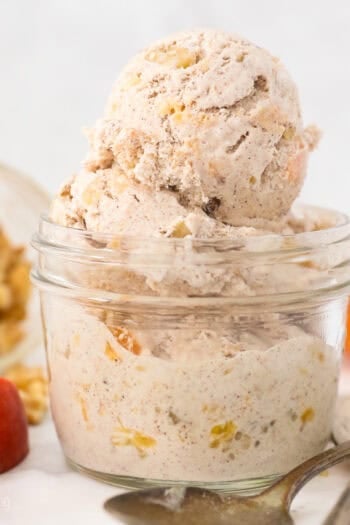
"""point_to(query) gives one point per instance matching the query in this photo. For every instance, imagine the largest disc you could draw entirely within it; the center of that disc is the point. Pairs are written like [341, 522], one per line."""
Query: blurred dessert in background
[31, 383]
[23, 389]
[14, 297]
[14, 292]
[22, 201]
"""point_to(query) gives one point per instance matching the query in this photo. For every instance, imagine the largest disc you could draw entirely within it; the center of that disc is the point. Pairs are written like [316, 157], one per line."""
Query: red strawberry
[13, 427]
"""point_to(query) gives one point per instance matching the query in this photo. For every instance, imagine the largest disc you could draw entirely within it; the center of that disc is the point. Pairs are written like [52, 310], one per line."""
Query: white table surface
[43, 490]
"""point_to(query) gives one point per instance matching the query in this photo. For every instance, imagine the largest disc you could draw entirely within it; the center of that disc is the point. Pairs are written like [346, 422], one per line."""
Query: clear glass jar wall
[176, 360]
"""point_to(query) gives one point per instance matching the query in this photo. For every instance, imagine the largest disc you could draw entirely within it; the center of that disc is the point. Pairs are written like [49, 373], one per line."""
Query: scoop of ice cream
[103, 203]
[213, 119]
[107, 202]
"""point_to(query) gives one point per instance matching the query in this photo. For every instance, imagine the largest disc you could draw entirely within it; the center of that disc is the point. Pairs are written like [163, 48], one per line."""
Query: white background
[59, 58]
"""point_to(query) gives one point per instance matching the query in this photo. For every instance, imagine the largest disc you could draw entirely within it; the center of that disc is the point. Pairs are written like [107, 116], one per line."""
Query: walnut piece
[173, 56]
[126, 339]
[32, 386]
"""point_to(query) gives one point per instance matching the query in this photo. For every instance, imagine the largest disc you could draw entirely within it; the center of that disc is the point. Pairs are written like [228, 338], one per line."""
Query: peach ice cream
[203, 123]
[198, 342]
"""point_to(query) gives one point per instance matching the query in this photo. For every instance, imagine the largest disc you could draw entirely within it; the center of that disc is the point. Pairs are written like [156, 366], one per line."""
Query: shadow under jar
[177, 361]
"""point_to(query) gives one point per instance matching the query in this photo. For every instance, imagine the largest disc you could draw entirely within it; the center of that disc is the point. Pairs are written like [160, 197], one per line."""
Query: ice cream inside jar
[194, 323]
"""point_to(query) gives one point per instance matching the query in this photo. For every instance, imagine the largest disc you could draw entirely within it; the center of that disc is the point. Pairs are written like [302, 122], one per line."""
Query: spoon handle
[286, 489]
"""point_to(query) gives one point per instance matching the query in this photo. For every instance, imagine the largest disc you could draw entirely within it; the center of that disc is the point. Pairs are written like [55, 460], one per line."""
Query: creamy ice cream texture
[239, 410]
[202, 134]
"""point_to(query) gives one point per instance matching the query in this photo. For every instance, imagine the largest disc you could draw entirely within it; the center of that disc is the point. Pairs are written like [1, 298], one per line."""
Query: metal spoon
[195, 506]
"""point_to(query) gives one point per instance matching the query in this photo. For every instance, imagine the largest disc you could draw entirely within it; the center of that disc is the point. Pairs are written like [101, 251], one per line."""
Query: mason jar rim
[89, 250]
[52, 236]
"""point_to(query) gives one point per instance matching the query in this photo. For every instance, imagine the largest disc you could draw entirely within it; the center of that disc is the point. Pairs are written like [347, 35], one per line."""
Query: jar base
[245, 487]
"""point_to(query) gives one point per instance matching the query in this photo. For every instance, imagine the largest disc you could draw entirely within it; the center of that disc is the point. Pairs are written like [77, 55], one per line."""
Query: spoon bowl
[196, 506]
[191, 506]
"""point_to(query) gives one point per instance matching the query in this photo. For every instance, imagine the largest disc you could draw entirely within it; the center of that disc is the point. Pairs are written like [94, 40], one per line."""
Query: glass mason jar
[174, 361]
